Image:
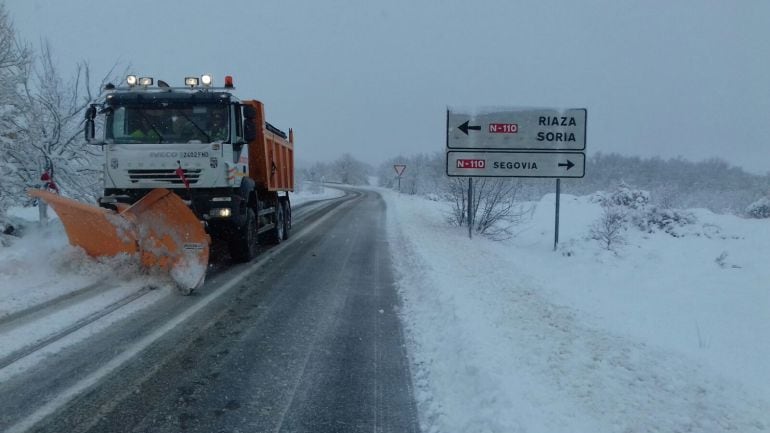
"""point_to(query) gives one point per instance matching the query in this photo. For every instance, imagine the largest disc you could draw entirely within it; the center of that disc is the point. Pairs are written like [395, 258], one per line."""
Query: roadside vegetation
[648, 193]
[41, 124]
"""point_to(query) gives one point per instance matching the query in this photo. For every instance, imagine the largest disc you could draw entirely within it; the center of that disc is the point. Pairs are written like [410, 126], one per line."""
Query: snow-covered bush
[667, 220]
[759, 209]
[636, 208]
[624, 196]
[609, 230]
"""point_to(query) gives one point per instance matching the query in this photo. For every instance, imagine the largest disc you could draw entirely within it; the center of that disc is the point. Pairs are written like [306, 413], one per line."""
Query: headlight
[131, 80]
[191, 81]
[224, 212]
[206, 79]
[145, 81]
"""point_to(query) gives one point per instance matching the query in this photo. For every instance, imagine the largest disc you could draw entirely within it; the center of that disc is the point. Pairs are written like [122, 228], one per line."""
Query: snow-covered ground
[511, 336]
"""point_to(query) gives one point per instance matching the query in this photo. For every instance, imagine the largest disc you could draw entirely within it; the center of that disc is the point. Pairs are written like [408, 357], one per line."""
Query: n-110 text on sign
[518, 129]
[515, 164]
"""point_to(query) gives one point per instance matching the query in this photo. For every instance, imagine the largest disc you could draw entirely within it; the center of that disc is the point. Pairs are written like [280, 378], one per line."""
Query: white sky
[689, 78]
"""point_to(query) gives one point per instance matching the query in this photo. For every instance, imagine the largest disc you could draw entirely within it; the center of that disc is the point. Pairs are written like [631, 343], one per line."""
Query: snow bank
[511, 336]
[41, 266]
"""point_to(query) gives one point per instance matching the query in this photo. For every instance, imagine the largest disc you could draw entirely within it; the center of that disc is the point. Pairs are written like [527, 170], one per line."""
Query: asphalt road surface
[304, 339]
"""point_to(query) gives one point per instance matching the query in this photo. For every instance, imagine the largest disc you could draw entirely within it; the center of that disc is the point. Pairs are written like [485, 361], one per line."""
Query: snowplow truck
[184, 166]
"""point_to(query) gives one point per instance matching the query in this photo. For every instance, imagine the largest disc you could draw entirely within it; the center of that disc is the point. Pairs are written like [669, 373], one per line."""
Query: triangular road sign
[399, 169]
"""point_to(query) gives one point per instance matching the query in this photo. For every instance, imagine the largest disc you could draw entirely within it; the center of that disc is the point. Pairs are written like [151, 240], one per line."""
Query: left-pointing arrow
[465, 127]
[569, 164]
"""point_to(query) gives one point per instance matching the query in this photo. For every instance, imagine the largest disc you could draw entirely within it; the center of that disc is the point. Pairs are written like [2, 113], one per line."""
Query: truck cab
[212, 149]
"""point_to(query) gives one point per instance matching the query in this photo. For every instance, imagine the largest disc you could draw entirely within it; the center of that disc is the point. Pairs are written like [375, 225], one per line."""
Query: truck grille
[163, 175]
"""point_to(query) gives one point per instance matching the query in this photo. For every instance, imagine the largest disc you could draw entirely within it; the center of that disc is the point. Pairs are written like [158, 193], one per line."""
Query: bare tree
[15, 56]
[350, 171]
[47, 130]
[609, 229]
[458, 192]
[495, 209]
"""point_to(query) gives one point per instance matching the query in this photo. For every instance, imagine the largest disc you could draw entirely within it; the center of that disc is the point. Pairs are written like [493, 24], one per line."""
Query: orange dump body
[271, 157]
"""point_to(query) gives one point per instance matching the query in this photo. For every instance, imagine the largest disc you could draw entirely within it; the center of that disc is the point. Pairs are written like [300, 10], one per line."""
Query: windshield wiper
[208, 137]
[152, 125]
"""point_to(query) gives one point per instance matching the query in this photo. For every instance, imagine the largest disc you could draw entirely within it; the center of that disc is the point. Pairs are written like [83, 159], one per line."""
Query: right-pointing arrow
[569, 164]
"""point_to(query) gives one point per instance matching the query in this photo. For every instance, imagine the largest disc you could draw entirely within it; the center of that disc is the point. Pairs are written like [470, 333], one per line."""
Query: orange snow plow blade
[159, 227]
[100, 232]
[170, 237]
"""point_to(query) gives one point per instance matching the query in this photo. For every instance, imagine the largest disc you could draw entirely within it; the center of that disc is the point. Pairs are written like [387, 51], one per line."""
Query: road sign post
[556, 219]
[517, 142]
[399, 171]
[470, 208]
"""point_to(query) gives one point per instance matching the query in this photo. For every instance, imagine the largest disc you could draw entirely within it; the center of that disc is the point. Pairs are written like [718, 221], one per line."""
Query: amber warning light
[229, 81]
[471, 163]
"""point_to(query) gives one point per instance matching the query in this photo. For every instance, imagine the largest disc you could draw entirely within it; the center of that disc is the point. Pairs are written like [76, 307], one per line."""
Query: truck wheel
[286, 219]
[275, 235]
[243, 245]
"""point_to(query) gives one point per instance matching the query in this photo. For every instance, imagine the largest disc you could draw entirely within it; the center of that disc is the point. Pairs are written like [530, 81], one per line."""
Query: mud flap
[159, 227]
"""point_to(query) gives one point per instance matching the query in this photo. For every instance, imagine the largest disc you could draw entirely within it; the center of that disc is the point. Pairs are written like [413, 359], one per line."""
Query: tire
[276, 234]
[286, 219]
[243, 245]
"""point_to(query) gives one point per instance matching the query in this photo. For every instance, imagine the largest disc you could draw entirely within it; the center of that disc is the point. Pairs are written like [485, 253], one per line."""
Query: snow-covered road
[54, 296]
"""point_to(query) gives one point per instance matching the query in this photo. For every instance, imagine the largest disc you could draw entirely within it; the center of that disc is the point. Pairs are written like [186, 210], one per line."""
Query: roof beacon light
[131, 80]
[145, 81]
[228, 81]
[191, 81]
[206, 79]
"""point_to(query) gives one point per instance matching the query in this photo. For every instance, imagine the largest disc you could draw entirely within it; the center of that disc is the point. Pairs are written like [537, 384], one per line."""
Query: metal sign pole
[556, 228]
[470, 208]
[399, 183]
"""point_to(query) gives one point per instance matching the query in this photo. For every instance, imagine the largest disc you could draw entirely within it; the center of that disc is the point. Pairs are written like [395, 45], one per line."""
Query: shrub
[609, 229]
[759, 209]
[624, 196]
[667, 220]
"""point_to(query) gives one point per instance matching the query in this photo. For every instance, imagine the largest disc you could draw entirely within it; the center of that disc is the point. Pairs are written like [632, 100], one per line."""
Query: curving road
[306, 338]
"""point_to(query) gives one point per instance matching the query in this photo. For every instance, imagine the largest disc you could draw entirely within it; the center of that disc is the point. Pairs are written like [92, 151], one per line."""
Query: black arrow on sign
[569, 164]
[464, 127]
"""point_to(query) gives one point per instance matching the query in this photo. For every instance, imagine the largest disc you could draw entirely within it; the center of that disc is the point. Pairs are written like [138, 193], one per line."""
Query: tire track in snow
[58, 335]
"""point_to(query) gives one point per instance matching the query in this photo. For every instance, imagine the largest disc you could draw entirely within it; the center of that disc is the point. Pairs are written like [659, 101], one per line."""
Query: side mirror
[91, 113]
[89, 128]
[90, 131]
[249, 130]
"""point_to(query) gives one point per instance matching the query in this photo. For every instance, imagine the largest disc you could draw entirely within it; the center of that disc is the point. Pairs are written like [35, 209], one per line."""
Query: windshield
[168, 123]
